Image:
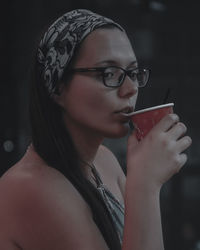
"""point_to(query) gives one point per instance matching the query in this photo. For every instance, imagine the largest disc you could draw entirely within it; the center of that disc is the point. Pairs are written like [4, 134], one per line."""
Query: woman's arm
[142, 229]
[150, 163]
[44, 211]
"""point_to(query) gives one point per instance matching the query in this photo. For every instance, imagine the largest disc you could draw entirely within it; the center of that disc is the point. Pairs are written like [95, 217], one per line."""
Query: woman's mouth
[126, 111]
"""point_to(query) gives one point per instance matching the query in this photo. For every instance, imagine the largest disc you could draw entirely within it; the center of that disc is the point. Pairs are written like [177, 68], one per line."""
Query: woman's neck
[86, 141]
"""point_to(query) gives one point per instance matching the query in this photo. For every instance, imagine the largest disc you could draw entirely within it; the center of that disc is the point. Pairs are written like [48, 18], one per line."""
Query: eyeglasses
[114, 76]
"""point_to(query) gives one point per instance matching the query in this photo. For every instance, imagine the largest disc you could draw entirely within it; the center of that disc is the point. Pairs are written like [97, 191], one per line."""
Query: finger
[178, 130]
[167, 122]
[184, 143]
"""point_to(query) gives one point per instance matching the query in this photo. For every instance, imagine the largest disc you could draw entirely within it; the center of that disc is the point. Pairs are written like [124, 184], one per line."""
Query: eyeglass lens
[114, 76]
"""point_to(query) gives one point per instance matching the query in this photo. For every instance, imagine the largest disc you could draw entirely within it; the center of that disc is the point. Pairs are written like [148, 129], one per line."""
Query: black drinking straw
[166, 96]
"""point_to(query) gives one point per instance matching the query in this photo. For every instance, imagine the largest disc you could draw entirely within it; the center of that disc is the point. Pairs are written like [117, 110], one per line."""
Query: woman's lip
[127, 114]
[127, 110]
[122, 117]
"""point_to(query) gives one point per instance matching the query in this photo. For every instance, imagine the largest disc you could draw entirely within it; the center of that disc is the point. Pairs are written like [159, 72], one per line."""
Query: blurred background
[166, 37]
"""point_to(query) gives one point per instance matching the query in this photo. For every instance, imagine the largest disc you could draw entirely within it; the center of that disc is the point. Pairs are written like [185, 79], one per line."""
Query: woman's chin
[119, 131]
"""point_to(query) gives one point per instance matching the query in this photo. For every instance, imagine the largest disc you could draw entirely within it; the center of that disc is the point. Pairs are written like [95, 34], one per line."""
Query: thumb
[132, 142]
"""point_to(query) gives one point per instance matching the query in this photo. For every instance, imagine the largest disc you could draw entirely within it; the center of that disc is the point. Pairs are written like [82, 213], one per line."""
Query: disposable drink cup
[144, 120]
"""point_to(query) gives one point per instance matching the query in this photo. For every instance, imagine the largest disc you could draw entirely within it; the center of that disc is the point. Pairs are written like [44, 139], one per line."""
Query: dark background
[166, 37]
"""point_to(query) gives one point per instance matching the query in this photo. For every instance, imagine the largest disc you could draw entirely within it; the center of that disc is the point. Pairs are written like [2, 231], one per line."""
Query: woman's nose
[129, 88]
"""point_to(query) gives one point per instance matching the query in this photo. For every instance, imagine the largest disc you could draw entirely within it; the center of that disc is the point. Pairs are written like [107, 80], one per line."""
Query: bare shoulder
[110, 158]
[112, 164]
[41, 209]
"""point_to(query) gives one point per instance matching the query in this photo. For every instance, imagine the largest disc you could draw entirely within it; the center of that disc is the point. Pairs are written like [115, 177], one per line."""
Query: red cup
[144, 120]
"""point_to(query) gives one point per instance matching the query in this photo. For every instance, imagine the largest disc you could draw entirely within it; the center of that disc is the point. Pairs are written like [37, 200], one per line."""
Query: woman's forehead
[105, 45]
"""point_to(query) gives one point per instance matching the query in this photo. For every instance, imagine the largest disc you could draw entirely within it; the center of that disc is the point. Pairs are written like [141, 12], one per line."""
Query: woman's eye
[133, 74]
[108, 74]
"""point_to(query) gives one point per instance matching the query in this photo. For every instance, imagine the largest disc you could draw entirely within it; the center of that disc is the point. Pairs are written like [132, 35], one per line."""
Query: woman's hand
[160, 154]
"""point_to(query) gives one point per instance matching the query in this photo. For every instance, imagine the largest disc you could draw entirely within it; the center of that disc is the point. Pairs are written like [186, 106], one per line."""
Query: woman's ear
[57, 96]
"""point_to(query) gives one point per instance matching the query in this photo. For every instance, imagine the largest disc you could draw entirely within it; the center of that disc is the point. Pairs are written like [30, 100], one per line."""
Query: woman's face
[88, 104]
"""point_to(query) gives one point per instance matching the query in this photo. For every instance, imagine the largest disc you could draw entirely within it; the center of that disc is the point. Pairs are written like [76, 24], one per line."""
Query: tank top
[115, 208]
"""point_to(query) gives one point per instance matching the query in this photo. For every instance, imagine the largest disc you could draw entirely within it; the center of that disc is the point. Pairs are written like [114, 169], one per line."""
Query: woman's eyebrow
[106, 62]
[113, 62]
[134, 63]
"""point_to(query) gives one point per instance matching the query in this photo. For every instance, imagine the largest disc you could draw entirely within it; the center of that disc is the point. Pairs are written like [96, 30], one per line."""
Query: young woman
[68, 191]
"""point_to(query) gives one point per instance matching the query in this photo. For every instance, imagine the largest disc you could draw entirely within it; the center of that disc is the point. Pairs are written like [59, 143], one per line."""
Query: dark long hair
[55, 146]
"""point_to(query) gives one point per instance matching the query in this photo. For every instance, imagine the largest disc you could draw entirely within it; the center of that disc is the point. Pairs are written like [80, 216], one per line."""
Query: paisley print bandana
[58, 44]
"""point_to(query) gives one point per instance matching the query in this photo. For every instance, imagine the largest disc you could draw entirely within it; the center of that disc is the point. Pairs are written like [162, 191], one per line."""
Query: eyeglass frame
[102, 70]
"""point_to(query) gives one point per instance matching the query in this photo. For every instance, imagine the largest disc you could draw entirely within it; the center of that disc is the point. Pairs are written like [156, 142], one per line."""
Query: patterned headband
[58, 44]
